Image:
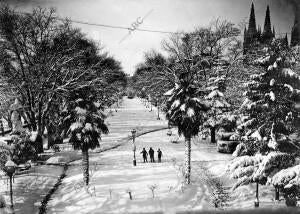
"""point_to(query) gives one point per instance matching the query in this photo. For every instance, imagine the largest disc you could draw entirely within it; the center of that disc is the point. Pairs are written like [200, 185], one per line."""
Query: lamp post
[276, 193]
[10, 168]
[133, 146]
[256, 201]
[158, 118]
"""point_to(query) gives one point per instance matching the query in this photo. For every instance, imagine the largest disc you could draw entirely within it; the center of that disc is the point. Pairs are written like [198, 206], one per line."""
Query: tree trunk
[213, 134]
[187, 175]
[85, 166]
[50, 135]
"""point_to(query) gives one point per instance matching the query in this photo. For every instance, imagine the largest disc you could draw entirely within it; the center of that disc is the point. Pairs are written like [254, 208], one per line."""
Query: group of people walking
[151, 154]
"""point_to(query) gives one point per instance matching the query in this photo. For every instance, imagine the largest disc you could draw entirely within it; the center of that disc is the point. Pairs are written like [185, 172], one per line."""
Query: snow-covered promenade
[113, 173]
[113, 176]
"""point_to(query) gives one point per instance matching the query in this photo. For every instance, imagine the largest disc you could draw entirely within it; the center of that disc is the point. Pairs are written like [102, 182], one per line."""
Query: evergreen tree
[85, 123]
[270, 100]
[218, 104]
[270, 117]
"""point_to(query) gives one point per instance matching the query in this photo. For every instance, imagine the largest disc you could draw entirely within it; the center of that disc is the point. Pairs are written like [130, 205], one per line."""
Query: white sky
[167, 15]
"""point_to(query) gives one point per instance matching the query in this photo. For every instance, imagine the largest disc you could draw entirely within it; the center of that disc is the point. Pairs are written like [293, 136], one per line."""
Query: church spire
[267, 33]
[252, 22]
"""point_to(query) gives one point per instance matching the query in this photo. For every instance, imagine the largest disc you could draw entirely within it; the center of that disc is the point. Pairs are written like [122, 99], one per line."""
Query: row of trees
[194, 74]
[63, 79]
[209, 81]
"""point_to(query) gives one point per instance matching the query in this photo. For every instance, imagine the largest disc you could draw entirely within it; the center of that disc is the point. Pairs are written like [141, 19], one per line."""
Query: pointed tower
[267, 34]
[252, 31]
[295, 37]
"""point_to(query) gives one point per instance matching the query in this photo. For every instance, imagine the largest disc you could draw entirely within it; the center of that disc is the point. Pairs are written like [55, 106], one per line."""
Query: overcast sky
[166, 15]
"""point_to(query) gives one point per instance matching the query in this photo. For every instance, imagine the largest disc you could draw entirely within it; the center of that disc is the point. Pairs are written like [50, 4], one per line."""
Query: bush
[3, 157]
[22, 148]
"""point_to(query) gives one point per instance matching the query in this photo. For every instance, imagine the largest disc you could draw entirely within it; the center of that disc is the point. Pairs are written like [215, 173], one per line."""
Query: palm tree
[86, 123]
[185, 109]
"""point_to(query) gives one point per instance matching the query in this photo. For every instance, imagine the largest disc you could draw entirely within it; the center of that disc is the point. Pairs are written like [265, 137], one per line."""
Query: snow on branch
[289, 72]
[287, 177]
[271, 163]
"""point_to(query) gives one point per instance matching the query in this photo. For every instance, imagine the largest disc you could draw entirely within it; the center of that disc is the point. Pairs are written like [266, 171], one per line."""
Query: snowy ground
[29, 189]
[112, 174]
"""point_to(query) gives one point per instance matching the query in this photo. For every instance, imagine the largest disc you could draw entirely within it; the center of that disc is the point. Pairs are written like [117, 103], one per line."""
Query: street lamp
[158, 118]
[10, 168]
[256, 201]
[276, 193]
[133, 146]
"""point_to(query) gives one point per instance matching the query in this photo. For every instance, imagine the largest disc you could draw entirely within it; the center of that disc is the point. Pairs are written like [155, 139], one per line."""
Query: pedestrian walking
[159, 154]
[151, 154]
[145, 154]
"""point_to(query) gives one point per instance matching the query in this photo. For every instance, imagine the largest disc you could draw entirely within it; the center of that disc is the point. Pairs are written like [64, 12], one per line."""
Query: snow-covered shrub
[153, 187]
[4, 153]
[22, 148]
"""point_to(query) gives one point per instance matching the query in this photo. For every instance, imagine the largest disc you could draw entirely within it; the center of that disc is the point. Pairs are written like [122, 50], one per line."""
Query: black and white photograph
[149, 106]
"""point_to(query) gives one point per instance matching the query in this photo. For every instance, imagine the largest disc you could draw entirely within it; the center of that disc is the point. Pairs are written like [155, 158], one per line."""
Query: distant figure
[151, 153]
[159, 154]
[145, 154]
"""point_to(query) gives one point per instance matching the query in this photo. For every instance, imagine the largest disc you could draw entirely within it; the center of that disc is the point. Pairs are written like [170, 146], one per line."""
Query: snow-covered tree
[258, 168]
[186, 111]
[270, 116]
[85, 124]
[270, 112]
[218, 104]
